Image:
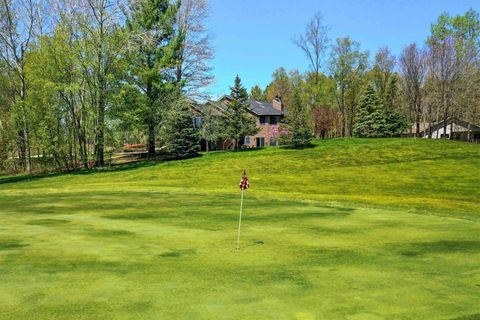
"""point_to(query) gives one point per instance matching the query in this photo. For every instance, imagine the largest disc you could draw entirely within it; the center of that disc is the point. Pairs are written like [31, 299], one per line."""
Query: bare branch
[314, 42]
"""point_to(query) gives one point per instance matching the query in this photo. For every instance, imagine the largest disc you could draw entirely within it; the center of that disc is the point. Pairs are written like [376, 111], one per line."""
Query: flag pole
[240, 220]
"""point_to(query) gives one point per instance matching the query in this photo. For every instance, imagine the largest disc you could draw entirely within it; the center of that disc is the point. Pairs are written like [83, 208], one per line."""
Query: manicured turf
[349, 229]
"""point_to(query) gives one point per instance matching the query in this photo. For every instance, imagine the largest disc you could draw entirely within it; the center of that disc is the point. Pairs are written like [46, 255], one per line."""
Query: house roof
[455, 121]
[256, 107]
[264, 108]
[203, 109]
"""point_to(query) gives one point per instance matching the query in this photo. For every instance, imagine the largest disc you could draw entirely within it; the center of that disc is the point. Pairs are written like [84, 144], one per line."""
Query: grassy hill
[349, 229]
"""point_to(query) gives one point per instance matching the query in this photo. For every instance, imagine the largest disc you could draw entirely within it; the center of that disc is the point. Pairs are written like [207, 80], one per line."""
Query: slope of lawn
[348, 229]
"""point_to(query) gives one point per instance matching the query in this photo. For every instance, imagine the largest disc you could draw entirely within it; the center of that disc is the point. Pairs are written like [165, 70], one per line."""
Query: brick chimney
[277, 103]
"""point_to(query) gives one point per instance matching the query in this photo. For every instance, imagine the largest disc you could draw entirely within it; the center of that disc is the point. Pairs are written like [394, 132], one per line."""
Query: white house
[456, 129]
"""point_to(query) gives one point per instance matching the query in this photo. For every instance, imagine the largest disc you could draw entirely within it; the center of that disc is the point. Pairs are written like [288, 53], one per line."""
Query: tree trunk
[445, 113]
[151, 120]
[83, 149]
[100, 139]
[151, 138]
[417, 124]
[25, 135]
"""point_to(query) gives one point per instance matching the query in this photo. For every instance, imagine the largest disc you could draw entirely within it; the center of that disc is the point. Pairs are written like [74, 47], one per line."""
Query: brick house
[267, 115]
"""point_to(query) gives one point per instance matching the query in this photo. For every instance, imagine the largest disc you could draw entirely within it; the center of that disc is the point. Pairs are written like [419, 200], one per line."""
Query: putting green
[350, 229]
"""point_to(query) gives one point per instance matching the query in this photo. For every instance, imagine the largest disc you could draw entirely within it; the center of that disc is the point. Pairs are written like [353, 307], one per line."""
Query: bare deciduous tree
[196, 51]
[413, 67]
[383, 69]
[444, 66]
[314, 43]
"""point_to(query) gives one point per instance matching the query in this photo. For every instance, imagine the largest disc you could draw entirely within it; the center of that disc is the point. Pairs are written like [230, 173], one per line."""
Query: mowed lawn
[349, 229]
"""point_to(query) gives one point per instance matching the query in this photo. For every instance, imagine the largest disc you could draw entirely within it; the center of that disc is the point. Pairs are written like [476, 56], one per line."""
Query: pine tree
[391, 93]
[257, 94]
[156, 47]
[181, 139]
[396, 121]
[238, 122]
[295, 130]
[370, 116]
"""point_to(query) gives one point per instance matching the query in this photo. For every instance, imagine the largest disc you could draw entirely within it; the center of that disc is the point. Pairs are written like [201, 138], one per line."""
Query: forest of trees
[79, 78]
[349, 93]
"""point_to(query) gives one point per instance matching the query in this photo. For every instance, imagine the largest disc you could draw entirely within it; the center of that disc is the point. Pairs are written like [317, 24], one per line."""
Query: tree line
[349, 94]
[79, 77]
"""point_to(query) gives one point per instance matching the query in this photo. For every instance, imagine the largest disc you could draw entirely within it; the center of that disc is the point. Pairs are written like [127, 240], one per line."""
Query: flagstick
[240, 221]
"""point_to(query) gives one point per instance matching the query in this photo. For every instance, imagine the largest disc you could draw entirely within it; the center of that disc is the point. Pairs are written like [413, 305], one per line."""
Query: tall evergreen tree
[396, 122]
[179, 136]
[238, 122]
[296, 130]
[257, 94]
[370, 116]
[156, 48]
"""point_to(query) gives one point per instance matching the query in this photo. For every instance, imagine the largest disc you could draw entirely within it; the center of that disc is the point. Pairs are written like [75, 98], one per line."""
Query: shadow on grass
[178, 253]
[113, 168]
[443, 246]
[469, 317]
[253, 244]
[308, 146]
[109, 233]
[48, 222]
[10, 244]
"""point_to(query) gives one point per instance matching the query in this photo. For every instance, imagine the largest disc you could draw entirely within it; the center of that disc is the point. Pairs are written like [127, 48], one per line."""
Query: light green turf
[350, 229]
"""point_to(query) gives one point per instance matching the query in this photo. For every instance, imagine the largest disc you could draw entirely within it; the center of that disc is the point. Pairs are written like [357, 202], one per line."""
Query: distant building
[267, 115]
[455, 129]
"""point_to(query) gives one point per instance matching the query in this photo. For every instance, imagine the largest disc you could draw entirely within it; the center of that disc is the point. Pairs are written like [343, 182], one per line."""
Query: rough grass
[350, 229]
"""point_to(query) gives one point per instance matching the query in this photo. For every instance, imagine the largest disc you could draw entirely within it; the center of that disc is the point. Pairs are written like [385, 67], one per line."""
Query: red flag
[244, 184]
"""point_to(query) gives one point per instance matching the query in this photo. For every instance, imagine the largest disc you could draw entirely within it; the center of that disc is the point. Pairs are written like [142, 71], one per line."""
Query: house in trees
[267, 115]
[455, 129]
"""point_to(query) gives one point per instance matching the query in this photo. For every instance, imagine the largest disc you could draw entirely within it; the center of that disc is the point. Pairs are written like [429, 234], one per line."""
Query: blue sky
[254, 37]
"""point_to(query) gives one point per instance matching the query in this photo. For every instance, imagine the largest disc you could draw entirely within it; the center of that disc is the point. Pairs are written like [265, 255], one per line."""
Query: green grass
[349, 229]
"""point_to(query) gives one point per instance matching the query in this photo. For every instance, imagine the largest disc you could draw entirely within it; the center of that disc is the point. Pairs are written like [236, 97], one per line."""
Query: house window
[263, 119]
[273, 120]
[247, 140]
[260, 142]
[273, 142]
[198, 122]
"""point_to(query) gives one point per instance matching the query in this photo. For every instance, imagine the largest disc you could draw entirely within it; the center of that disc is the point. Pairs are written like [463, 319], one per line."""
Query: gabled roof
[456, 121]
[203, 108]
[264, 108]
[256, 107]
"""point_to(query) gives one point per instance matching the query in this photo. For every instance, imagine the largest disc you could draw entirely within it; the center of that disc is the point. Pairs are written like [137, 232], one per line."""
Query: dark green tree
[257, 94]
[239, 123]
[396, 122]
[295, 129]
[179, 135]
[156, 44]
[370, 116]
